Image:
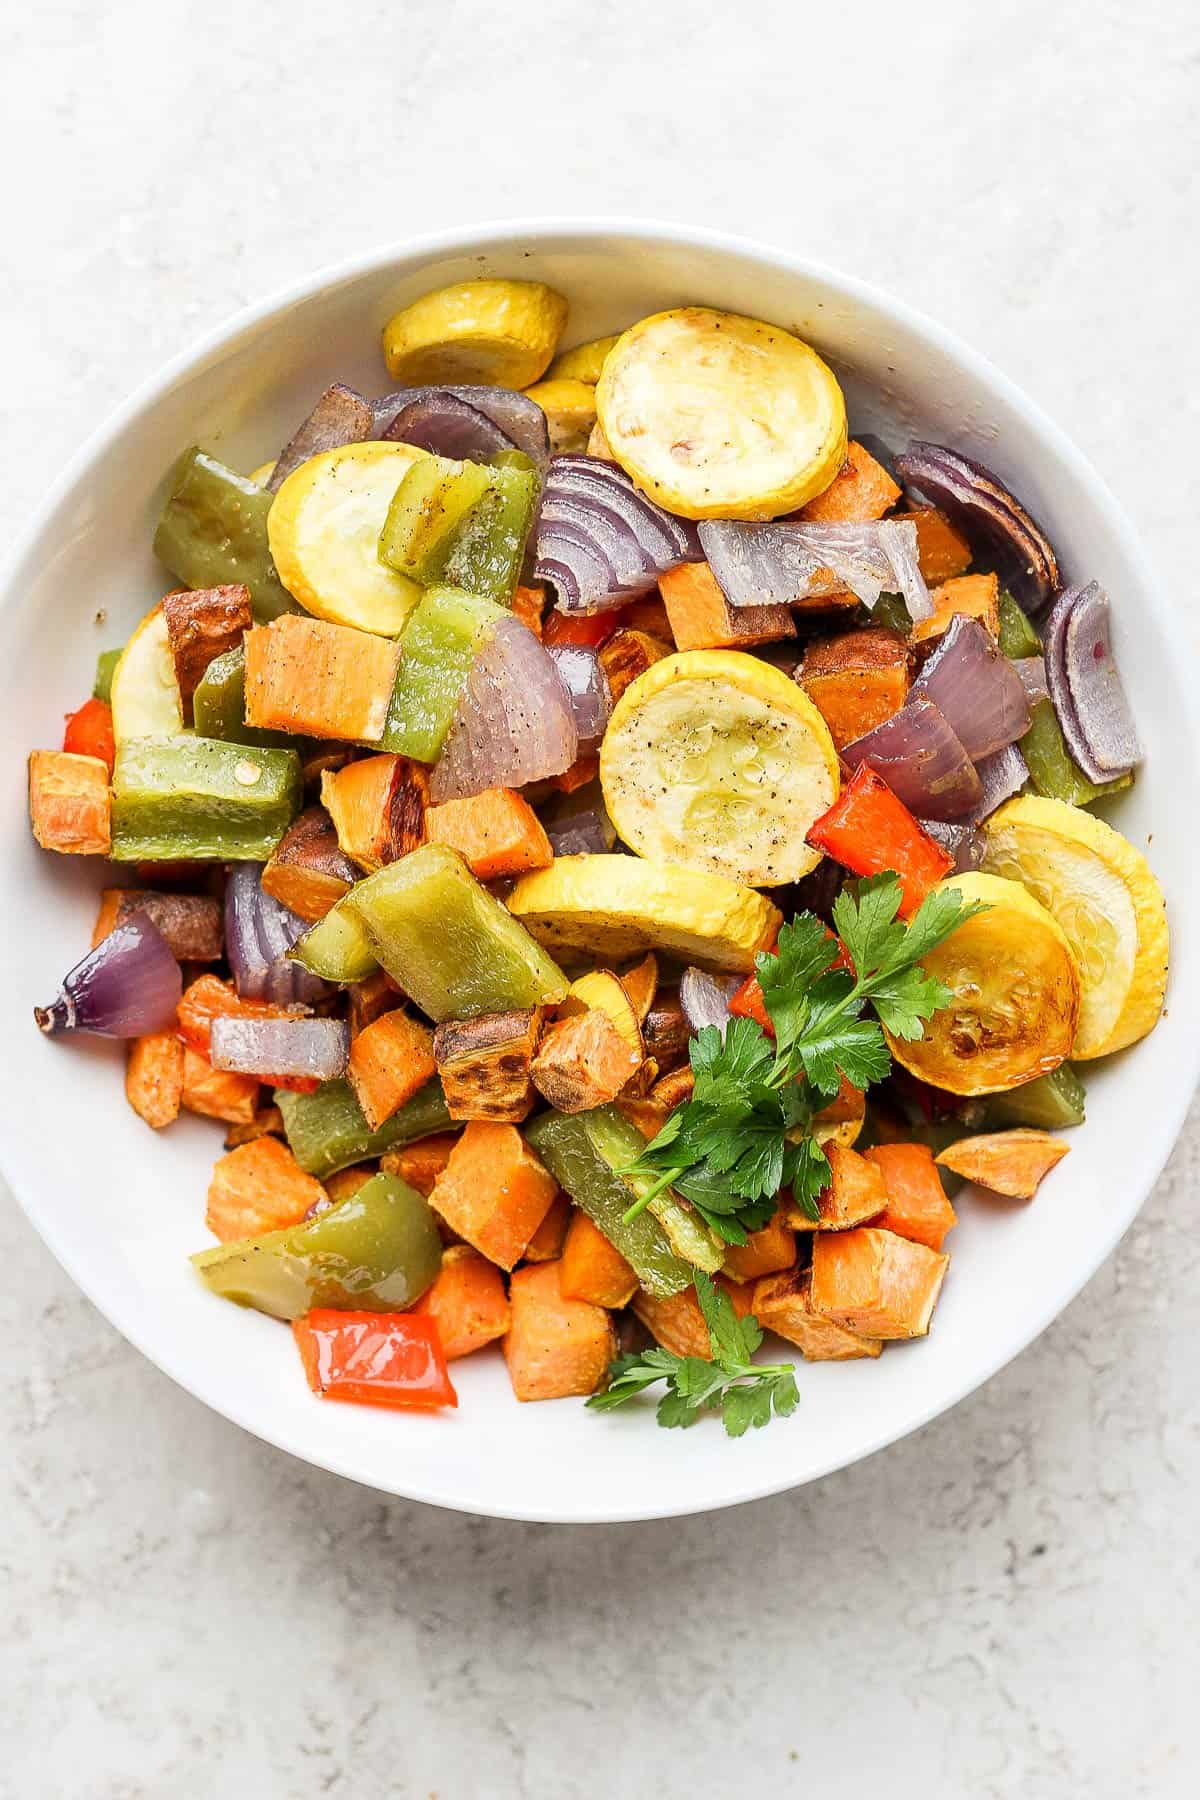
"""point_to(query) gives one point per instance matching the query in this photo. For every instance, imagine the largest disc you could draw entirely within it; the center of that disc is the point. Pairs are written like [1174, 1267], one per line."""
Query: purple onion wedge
[964, 842]
[976, 688]
[127, 986]
[259, 933]
[1085, 687]
[992, 519]
[598, 541]
[499, 419]
[586, 833]
[1032, 673]
[514, 721]
[312, 1048]
[1001, 775]
[922, 760]
[705, 998]
[780, 563]
[340, 417]
[583, 677]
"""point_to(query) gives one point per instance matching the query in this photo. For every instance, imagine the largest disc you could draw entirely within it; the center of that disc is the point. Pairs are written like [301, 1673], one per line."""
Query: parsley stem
[652, 1193]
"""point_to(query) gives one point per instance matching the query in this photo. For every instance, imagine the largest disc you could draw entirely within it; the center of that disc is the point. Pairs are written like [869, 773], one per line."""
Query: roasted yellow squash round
[570, 409]
[144, 695]
[717, 416]
[716, 760]
[1014, 995]
[1104, 895]
[501, 333]
[584, 363]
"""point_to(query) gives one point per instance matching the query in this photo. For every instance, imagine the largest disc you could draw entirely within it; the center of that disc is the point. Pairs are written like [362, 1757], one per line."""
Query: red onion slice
[1001, 775]
[778, 564]
[705, 998]
[965, 842]
[1085, 686]
[991, 518]
[127, 986]
[587, 833]
[316, 1048]
[259, 932]
[598, 541]
[340, 417]
[586, 683]
[1032, 673]
[976, 689]
[922, 760]
[511, 421]
[514, 722]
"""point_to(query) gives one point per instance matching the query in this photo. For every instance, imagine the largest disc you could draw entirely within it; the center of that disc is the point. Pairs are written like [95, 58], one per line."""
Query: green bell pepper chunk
[1048, 1102]
[1017, 636]
[213, 530]
[567, 1147]
[219, 706]
[437, 650]
[1052, 769]
[378, 1250]
[337, 947]
[327, 1131]
[486, 559]
[195, 799]
[620, 1144]
[428, 514]
[453, 948]
[890, 611]
[106, 663]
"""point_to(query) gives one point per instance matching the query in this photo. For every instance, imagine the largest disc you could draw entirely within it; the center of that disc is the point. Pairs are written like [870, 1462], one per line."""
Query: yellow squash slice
[502, 333]
[717, 416]
[584, 363]
[1014, 995]
[570, 409]
[1104, 895]
[262, 474]
[608, 908]
[145, 693]
[324, 528]
[716, 760]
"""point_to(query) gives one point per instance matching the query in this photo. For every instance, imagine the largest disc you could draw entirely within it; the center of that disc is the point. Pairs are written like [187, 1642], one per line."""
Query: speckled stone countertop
[1003, 1606]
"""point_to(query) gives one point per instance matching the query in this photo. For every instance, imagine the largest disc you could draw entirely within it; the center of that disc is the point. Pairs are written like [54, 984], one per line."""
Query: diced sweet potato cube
[1008, 1162]
[208, 998]
[528, 605]
[267, 1122]
[154, 1077]
[646, 1114]
[468, 1302]
[856, 1193]
[309, 871]
[641, 985]
[702, 618]
[370, 999]
[942, 551]
[389, 1061]
[783, 1304]
[494, 1192]
[975, 596]
[70, 803]
[485, 1064]
[217, 1093]
[377, 806]
[875, 1282]
[917, 1204]
[190, 923]
[674, 1088]
[546, 1244]
[329, 681]
[857, 680]
[555, 1346]
[649, 615]
[593, 1268]
[497, 833]
[259, 1187]
[583, 1062]
[763, 1253]
[343, 1184]
[582, 770]
[861, 490]
[202, 623]
[421, 1163]
[675, 1322]
[629, 654]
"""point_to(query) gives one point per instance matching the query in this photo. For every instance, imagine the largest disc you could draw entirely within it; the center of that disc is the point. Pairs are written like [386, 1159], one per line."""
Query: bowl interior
[122, 1207]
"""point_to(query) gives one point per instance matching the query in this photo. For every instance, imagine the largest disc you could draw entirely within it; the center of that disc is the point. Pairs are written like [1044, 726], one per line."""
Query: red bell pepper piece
[90, 732]
[868, 830]
[588, 629]
[375, 1359]
[748, 1003]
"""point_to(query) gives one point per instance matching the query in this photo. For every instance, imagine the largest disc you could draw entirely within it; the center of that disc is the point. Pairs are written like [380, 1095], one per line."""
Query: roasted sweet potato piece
[345, 1183]
[421, 1163]
[875, 1282]
[494, 1192]
[485, 1064]
[942, 551]
[649, 615]
[582, 770]
[665, 1032]
[327, 681]
[783, 1304]
[69, 803]
[468, 1302]
[629, 654]
[673, 1088]
[377, 806]
[208, 998]
[370, 999]
[592, 1268]
[389, 1061]
[528, 605]
[267, 1122]
[1008, 1162]
[976, 596]
[259, 1187]
[702, 618]
[154, 1077]
[641, 985]
[917, 1204]
[555, 1346]
[583, 1062]
[309, 871]
[856, 680]
[861, 490]
[203, 623]
[675, 1322]
[546, 1244]
[764, 1252]
[856, 1193]
[217, 1093]
[191, 923]
[497, 833]
[646, 1114]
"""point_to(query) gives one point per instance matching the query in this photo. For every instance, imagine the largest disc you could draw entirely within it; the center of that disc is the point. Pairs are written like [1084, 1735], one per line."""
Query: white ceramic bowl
[121, 1208]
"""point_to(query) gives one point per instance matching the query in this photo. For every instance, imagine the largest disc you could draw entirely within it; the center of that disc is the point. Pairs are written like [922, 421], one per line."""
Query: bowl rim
[469, 238]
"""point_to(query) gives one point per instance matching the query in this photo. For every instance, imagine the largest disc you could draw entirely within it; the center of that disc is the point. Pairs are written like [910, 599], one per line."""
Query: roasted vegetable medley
[615, 852]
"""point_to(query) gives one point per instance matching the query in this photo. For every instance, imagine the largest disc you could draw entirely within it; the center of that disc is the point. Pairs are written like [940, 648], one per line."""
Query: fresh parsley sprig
[746, 1131]
[747, 1393]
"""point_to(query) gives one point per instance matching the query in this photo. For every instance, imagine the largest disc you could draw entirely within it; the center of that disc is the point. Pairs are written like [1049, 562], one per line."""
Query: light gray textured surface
[1002, 1606]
